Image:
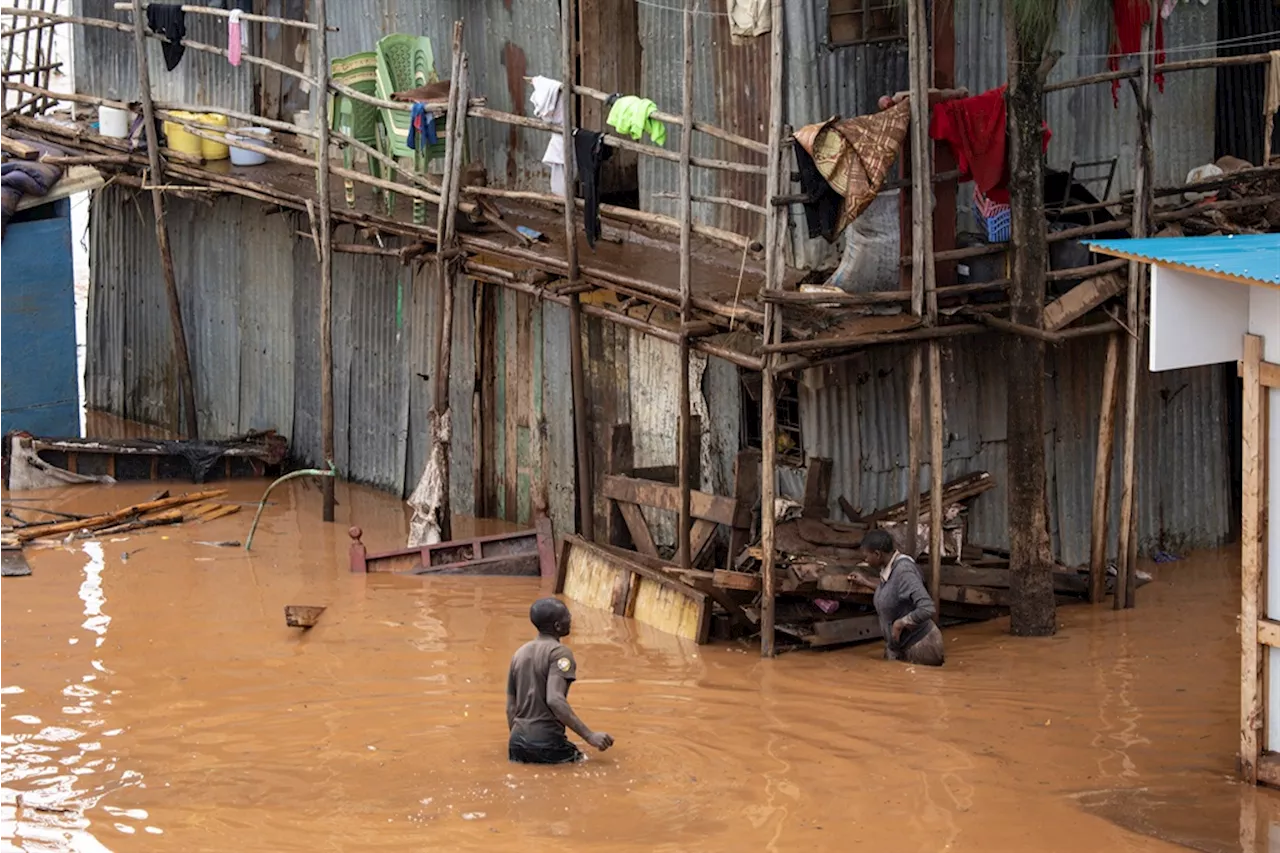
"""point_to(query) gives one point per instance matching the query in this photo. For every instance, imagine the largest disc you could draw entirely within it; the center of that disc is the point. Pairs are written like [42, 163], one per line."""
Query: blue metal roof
[1250, 258]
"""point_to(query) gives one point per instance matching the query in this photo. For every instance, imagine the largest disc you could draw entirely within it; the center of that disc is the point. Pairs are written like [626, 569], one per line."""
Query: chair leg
[420, 162]
[348, 157]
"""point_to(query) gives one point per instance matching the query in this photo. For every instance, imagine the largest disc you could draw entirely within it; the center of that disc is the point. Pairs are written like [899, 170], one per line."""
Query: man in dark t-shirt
[537, 693]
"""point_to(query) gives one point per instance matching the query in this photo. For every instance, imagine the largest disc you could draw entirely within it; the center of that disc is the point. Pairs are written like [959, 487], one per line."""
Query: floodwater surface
[153, 699]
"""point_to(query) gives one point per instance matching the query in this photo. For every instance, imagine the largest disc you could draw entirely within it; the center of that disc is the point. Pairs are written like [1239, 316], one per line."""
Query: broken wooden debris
[101, 460]
[961, 489]
[612, 579]
[302, 615]
[524, 553]
[13, 563]
[146, 514]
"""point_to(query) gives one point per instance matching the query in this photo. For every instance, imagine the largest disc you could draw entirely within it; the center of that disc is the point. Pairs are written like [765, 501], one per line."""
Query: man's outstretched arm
[558, 702]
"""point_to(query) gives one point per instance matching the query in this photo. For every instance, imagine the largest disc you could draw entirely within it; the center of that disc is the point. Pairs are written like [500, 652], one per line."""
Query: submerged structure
[488, 241]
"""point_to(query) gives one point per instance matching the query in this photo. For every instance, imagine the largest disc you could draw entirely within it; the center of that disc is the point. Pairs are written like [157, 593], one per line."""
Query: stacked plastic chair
[405, 62]
[356, 119]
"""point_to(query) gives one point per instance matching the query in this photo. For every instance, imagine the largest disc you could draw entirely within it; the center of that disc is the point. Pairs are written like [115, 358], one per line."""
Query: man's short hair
[879, 541]
[546, 612]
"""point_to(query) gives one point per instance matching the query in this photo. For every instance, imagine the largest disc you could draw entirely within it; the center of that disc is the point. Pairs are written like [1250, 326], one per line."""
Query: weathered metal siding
[856, 415]
[1085, 123]
[253, 333]
[105, 64]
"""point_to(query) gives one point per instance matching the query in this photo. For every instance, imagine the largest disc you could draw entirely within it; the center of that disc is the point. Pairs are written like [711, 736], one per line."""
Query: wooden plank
[1102, 472]
[1268, 373]
[817, 487]
[620, 461]
[700, 538]
[746, 492]
[1269, 633]
[1252, 527]
[959, 489]
[638, 527]
[855, 629]
[591, 578]
[504, 565]
[1080, 300]
[715, 508]
[849, 511]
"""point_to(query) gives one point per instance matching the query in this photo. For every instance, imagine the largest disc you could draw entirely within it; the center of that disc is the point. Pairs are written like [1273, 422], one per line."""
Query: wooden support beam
[1102, 472]
[176, 328]
[817, 487]
[683, 555]
[1125, 559]
[915, 437]
[1268, 373]
[320, 113]
[772, 334]
[1080, 300]
[1253, 451]
[746, 493]
[568, 71]
[664, 496]
[620, 462]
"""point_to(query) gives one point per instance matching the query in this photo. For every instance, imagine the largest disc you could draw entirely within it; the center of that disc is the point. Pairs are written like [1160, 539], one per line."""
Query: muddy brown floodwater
[153, 699]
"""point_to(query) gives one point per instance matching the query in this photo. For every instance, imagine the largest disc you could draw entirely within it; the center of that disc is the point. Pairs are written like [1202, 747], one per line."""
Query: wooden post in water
[1102, 472]
[924, 299]
[686, 225]
[586, 509]
[1125, 556]
[162, 229]
[1253, 447]
[775, 232]
[320, 112]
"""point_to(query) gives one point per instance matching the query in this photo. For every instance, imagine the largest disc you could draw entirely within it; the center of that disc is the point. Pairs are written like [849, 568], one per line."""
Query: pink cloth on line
[233, 37]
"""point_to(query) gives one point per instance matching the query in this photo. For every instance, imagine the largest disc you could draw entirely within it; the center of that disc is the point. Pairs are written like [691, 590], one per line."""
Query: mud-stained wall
[251, 311]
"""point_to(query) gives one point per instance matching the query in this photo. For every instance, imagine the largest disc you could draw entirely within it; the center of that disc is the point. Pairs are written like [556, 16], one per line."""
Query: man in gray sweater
[903, 604]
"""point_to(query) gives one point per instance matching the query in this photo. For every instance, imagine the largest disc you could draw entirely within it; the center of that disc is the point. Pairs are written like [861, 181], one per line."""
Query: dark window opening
[865, 21]
[789, 441]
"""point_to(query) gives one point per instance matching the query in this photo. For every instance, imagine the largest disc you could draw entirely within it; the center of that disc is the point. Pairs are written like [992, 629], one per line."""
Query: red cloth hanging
[1129, 18]
[976, 128]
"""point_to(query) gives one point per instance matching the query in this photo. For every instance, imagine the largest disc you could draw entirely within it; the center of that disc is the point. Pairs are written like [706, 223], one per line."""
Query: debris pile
[27, 524]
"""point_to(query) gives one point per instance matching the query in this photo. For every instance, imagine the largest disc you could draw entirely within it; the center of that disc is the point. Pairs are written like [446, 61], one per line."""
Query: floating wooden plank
[632, 490]
[608, 579]
[109, 519]
[1081, 299]
[525, 553]
[302, 615]
[834, 632]
[13, 564]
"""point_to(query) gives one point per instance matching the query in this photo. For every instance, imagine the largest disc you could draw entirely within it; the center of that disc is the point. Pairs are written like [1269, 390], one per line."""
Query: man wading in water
[903, 604]
[537, 693]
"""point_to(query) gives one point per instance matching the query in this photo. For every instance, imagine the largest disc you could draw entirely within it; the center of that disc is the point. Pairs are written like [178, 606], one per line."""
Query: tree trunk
[1030, 558]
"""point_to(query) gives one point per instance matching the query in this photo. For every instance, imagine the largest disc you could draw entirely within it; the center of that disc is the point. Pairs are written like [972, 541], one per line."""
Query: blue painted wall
[38, 388]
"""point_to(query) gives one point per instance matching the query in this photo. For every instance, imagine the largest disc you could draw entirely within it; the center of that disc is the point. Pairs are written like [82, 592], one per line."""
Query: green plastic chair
[356, 118]
[405, 62]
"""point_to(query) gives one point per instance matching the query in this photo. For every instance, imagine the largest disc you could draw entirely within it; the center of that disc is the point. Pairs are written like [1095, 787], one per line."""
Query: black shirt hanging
[169, 21]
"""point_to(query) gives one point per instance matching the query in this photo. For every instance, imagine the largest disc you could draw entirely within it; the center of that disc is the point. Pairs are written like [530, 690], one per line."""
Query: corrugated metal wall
[855, 414]
[252, 330]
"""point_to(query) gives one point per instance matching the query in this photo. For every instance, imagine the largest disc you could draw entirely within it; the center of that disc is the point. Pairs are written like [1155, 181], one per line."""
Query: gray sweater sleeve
[913, 588]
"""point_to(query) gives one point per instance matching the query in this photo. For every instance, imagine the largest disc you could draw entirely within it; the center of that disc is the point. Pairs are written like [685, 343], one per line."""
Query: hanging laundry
[234, 37]
[749, 18]
[853, 158]
[1126, 38]
[823, 204]
[976, 129]
[590, 152]
[20, 178]
[169, 21]
[422, 128]
[1271, 104]
[548, 107]
[630, 115]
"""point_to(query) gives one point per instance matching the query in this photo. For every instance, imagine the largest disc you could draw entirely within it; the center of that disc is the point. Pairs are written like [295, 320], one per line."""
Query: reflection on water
[161, 703]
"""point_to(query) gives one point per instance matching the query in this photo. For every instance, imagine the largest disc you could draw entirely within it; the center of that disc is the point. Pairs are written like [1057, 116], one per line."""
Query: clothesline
[665, 7]
[1240, 41]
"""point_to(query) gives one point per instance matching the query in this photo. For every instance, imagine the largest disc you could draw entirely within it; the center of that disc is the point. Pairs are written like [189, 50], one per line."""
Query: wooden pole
[1125, 569]
[162, 228]
[320, 114]
[1102, 472]
[586, 506]
[1252, 527]
[683, 448]
[924, 300]
[445, 239]
[774, 235]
